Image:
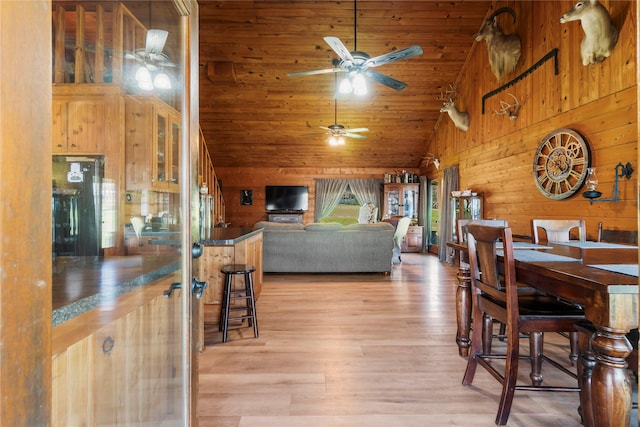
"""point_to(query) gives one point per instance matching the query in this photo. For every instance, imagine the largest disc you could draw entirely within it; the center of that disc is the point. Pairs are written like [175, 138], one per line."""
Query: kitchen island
[227, 246]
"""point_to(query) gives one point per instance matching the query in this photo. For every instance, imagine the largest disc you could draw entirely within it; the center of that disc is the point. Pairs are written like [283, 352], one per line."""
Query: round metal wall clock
[560, 163]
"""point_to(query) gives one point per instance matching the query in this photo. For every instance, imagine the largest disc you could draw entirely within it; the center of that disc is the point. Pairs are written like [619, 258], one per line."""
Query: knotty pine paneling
[86, 378]
[236, 179]
[599, 101]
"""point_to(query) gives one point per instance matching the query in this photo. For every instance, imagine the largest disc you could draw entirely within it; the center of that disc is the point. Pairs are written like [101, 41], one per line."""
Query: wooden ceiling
[253, 114]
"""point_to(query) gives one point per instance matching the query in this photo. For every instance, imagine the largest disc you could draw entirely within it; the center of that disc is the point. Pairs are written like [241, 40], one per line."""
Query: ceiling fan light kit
[150, 73]
[336, 140]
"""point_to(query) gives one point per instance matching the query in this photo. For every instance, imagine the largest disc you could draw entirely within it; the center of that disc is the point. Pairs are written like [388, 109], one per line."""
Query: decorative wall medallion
[560, 163]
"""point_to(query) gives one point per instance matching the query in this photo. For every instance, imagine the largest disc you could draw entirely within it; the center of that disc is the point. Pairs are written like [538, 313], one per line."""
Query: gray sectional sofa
[326, 247]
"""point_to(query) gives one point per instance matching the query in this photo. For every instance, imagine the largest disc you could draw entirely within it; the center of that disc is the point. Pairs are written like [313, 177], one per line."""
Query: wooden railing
[91, 41]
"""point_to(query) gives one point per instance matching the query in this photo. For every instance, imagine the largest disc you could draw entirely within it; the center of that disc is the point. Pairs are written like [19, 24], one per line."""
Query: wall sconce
[592, 183]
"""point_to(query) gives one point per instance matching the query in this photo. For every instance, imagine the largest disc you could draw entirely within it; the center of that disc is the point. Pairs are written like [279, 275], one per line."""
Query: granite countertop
[81, 284]
[228, 236]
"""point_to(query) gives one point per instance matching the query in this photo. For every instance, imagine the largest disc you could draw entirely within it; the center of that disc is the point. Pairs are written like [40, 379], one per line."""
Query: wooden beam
[26, 265]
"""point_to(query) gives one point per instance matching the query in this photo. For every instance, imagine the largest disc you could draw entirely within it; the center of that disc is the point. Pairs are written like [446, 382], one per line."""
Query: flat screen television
[286, 198]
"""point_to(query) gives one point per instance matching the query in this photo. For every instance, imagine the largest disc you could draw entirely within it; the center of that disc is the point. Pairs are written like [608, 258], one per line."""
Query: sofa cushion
[279, 226]
[324, 226]
[378, 226]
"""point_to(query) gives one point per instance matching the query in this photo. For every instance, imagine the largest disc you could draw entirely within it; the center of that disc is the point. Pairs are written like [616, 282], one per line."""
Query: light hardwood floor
[364, 350]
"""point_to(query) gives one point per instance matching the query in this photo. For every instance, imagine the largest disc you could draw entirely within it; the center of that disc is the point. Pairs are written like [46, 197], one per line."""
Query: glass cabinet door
[175, 153]
[410, 202]
[161, 149]
[393, 203]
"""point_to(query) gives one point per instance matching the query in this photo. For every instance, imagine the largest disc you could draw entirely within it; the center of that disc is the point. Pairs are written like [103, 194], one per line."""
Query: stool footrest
[241, 291]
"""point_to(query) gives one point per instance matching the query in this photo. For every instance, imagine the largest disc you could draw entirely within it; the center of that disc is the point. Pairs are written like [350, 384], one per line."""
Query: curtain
[366, 190]
[423, 210]
[328, 194]
[445, 232]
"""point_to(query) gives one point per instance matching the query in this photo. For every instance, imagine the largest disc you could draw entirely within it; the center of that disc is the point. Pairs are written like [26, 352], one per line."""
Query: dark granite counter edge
[230, 236]
[76, 308]
[223, 236]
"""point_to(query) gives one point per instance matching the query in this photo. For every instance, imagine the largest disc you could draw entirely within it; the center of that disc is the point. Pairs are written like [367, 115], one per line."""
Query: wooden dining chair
[462, 238]
[495, 294]
[558, 230]
[626, 237]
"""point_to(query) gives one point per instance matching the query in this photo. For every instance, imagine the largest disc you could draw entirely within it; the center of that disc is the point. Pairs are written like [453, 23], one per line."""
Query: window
[347, 210]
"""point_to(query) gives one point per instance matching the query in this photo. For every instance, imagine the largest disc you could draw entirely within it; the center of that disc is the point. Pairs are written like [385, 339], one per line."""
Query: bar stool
[231, 293]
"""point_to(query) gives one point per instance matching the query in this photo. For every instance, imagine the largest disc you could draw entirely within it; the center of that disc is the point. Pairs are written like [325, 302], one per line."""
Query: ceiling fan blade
[357, 130]
[355, 135]
[385, 80]
[339, 48]
[310, 73]
[394, 56]
[138, 55]
[161, 60]
[155, 41]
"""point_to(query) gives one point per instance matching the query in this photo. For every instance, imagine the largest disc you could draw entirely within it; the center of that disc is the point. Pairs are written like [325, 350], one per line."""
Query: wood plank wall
[600, 101]
[233, 180]
[496, 155]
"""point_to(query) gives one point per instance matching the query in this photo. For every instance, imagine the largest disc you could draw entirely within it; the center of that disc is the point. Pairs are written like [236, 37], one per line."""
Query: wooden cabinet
[465, 207]
[78, 125]
[400, 199]
[412, 241]
[152, 145]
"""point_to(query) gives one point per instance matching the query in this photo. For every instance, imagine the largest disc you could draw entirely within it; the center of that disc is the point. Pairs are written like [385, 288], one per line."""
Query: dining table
[602, 278]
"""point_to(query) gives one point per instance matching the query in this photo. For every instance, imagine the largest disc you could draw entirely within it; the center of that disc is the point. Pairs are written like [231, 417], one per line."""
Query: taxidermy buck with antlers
[504, 49]
[460, 119]
[600, 36]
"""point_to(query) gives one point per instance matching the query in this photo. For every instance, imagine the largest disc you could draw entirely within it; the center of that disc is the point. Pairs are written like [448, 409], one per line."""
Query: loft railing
[90, 42]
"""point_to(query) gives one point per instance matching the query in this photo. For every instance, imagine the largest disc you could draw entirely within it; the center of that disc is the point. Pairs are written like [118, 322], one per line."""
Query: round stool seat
[237, 269]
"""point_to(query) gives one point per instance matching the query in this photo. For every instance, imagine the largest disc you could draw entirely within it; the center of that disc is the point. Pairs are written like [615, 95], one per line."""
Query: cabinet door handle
[197, 288]
[172, 287]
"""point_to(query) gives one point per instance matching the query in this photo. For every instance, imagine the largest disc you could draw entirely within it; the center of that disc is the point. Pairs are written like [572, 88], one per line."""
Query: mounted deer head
[509, 108]
[600, 36]
[504, 49]
[460, 119]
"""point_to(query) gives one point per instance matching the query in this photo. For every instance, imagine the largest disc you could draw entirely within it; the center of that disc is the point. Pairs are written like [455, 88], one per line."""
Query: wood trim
[25, 289]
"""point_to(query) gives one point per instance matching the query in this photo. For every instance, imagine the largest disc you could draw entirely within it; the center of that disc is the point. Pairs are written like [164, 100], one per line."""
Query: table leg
[610, 382]
[586, 362]
[463, 310]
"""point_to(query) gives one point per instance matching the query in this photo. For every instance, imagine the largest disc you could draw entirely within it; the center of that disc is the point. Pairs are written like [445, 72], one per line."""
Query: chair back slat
[486, 274]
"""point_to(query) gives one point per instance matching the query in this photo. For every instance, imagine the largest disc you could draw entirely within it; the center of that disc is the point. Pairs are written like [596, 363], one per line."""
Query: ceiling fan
[338, 132]
[150, 74]
[358, 64]
[152, 55]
